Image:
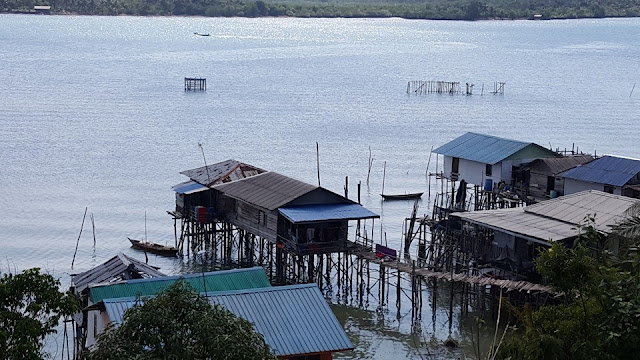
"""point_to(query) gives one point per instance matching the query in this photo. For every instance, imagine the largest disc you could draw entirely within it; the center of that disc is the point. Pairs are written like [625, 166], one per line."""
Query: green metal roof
[226, 280]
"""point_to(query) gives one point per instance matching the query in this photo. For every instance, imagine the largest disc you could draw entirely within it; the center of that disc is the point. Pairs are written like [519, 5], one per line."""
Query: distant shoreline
[311, 17]
[465, 10]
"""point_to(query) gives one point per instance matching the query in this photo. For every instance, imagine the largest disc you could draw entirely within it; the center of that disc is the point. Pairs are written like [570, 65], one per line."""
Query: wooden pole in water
[384, 174]
[78, 241]
[346, 187]
[427, 173]
[318, 160]
[370, 164]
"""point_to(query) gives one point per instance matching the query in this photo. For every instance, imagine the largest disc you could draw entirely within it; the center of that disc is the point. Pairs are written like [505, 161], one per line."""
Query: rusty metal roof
[222, 172]
[268, 190]
[119, 267]
[553, 166]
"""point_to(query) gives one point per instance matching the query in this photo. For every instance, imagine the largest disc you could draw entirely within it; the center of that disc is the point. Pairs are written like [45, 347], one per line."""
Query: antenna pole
[318, 161]
[205, 162]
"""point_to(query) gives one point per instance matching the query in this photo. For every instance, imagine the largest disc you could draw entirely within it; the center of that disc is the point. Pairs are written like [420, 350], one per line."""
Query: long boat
[153, 247]
[401, 196]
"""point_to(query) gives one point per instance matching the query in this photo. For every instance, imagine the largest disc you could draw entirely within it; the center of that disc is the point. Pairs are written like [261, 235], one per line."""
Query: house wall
[472, 172]
[572, 186]
[186, 202]
[321, 356]
[514, 248]
[318, 196]
[96, 323]
[259, 222]
[538, 185]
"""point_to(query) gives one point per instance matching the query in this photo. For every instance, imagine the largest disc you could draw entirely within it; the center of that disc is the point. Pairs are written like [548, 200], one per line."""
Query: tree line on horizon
[409, 9]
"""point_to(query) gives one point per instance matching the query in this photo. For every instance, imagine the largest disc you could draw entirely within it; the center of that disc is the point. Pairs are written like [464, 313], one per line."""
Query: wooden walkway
[509, 285]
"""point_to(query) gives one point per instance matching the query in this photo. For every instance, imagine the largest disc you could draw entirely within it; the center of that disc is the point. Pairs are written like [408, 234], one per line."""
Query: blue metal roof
[610, 170]
[482, 148]
[188, 187]
[326, 212]
[294, 320]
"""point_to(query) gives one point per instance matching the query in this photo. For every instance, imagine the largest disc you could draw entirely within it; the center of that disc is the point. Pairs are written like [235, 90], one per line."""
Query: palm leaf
[629, 227]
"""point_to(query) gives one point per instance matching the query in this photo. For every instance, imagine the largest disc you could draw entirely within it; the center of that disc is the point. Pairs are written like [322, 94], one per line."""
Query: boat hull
[401, 196]
[153, 248]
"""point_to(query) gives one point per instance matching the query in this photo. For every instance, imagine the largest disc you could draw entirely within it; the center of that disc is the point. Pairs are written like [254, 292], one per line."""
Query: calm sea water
[93, 114]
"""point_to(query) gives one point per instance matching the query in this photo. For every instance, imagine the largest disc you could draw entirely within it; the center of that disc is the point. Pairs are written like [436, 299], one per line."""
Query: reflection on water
[376, 335]
[93, 113]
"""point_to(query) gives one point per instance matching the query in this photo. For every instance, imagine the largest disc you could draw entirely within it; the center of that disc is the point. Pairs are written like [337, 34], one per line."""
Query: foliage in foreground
[600, 316]
[410, 9]
[30, 308]
[181, 324]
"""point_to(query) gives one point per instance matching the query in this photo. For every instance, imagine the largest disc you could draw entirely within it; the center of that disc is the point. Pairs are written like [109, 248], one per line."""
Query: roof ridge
[224, 292]
[501, 138]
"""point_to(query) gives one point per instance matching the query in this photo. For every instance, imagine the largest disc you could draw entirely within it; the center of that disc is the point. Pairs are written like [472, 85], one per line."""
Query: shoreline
[317, 17]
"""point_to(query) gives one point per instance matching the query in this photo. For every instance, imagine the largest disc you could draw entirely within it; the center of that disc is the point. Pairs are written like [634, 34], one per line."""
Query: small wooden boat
[153, 247]
[401, 196]
[396, 196]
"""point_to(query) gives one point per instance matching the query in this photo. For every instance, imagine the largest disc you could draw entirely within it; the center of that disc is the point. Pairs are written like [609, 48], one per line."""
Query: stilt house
[304, 218]
[119, 268]
[486, 160]
[511, 238]
[197, 191]
[543, 175]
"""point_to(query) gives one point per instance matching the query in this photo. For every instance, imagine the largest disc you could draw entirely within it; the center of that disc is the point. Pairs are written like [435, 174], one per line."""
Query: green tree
[599, 317]
[31, 306]
[181, 324]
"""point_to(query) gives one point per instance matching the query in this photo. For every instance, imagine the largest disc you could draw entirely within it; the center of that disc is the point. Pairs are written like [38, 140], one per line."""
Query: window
[455, 165]
[608, 189]
[487, 170]
[262, 217]
[551, 183]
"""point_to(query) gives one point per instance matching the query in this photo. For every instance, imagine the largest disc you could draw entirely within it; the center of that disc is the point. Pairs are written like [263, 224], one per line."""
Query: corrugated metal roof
[518, 222]
[222, 172]
[212, 281]
[607, 208]
[268, 190]
[326, 212]
[556, 219]
[293, 319]
[610, 170]
[553, 166]
[485, 149]
[188, 187]
[119, 267]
